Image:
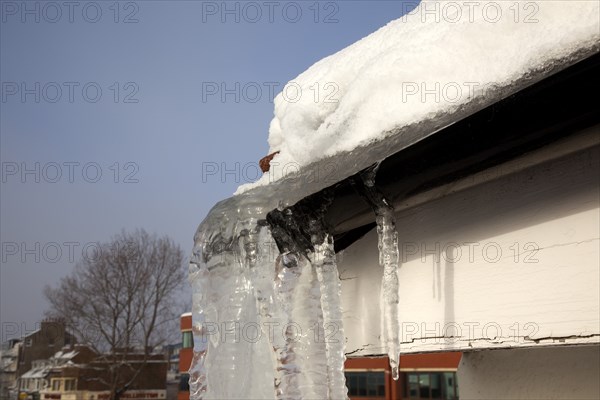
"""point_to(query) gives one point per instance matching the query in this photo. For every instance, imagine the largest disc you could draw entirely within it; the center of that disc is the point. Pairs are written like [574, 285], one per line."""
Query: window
[55, 385]
[69, 385]
[366, 384]
[28, 342]
[431, 385]
[187, 339]
[184, 384]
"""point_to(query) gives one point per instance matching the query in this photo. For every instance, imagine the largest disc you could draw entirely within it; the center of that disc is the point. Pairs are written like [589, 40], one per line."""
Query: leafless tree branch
[119, 301]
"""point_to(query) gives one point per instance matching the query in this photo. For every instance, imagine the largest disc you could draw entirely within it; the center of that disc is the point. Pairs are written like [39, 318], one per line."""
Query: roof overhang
[541, 114]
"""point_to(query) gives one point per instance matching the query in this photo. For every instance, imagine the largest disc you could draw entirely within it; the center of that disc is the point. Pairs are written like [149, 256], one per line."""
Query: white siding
[523, 374]
[509, 260]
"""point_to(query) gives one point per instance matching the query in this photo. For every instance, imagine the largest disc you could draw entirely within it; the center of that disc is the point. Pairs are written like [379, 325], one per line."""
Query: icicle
[310, 348]
[293, 302]
[258, 262]
[389, 260]
[287, 374]
[199, 279]
[333, 329]
[225, 309]
[259, 258]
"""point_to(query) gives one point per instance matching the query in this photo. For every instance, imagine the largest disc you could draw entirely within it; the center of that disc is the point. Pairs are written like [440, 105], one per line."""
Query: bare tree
[121, 301]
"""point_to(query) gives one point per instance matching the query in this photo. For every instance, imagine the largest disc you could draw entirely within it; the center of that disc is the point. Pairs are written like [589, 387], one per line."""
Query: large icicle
[266, 326]
[333, 329]
[287, 373]
[230, 359]
[324, 262]
[389, 261]
[301, 229]
[308, 320]
[260, 256]
[256, 240]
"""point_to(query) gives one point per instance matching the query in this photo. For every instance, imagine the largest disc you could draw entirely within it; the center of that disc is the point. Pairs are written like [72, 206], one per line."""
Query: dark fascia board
[543, 113]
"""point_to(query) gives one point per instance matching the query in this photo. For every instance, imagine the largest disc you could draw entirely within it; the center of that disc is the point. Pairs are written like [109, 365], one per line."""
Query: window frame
[442, 379]
[187, 337]
[56, 385]
[70, 384]
[372, 379]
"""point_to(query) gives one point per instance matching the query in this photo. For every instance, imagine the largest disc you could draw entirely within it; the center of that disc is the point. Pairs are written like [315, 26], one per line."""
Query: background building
[185, 355]
[9, 360]
[85, 382]
[422, 376]
[43, 343]
[77, 372]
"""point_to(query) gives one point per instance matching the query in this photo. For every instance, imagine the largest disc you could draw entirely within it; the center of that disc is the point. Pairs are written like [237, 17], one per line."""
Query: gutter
[550, 111]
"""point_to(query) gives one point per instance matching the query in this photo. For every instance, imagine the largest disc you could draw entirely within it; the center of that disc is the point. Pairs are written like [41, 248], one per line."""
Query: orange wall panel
[186, 323]
[185, 359]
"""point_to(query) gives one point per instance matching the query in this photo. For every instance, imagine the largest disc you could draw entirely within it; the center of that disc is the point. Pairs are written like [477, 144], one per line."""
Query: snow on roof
[41, 372]
[33, 333]
[65, 355]
[441, 58]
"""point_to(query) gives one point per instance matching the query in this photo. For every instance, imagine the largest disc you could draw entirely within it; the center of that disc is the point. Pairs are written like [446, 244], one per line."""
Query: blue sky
[106, 104]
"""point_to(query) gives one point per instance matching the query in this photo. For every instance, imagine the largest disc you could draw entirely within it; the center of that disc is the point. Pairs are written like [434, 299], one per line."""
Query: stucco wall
[546, 373]
[509, 260]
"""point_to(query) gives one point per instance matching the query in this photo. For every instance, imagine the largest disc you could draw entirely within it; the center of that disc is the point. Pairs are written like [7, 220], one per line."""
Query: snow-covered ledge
[508, 257]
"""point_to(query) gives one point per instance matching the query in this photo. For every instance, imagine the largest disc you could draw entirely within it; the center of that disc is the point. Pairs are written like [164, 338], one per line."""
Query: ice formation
[263, 315]
[389, 258]
[438, 59]
[267, 323]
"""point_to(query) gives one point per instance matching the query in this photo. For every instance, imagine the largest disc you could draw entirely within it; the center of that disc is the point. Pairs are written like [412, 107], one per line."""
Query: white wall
[546, 373]
[510, 257]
